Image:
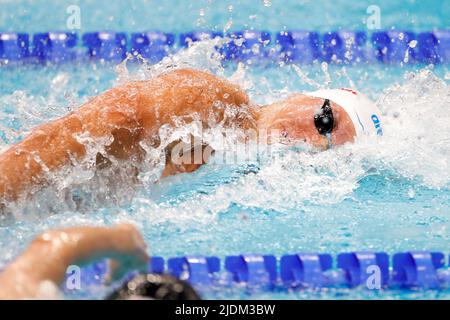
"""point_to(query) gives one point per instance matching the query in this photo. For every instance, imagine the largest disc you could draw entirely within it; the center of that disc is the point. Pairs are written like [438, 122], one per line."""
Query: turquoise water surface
[391, 195]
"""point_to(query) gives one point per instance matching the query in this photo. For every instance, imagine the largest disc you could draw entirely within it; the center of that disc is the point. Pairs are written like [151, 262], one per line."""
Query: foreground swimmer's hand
[46, 259]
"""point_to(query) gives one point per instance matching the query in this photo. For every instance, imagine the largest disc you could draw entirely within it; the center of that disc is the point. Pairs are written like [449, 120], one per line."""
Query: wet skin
[294, 119]
[134, 113]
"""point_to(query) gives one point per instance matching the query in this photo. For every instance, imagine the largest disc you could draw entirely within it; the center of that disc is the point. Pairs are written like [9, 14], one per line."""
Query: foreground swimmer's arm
[48, 256]
[125, 115]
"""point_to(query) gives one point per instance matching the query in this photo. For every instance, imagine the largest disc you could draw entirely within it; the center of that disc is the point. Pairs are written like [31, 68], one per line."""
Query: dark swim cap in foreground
[155, 287]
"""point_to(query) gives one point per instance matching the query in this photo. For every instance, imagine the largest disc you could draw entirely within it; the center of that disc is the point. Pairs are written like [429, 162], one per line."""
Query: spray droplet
[411, 193]
[239, 42]
[413, 44]
[228, 26]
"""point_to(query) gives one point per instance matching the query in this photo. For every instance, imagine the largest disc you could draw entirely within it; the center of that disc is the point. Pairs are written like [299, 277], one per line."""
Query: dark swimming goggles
[324, 120]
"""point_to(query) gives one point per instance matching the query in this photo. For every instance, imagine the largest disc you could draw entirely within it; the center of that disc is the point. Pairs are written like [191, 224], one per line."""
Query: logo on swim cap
[363, 113]
[377, 124]
[350, 90]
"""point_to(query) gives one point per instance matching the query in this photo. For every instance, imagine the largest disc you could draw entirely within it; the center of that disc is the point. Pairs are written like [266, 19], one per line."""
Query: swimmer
[49, 255]
[41, 268]
[134, 113]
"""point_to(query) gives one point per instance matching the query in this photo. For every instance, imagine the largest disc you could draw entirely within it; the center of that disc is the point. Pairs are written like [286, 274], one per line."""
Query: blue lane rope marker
[156, 265]
[298, 46]
[408, 270]
[54, 47]
[417, 269]
[186, 38]
[108, 46]
[443, 38]
[305, 270]
[197, 270]
[427, 48]
[250, 46]
[153, 46]
[394, 46]
[357, 264]
[14, 46]
[254, 270]
[344, 47]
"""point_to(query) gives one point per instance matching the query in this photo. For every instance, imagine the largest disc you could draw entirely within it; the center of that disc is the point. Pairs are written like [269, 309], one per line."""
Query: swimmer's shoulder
[187, 84]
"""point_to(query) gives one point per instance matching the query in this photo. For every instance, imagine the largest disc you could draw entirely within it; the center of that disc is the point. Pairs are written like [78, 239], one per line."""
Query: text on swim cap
[377, 124]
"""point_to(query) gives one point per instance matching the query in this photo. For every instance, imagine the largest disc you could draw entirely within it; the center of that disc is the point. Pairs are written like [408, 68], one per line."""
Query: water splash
[417, 131]
[200, 55]
[289, 181]
[347, 198]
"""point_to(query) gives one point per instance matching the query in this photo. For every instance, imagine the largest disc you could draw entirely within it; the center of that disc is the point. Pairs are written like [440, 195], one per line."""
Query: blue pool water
[389, 195]
[179, 16]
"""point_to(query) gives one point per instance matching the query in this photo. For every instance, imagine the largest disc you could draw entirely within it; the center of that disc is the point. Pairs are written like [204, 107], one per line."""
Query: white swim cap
[365, 115]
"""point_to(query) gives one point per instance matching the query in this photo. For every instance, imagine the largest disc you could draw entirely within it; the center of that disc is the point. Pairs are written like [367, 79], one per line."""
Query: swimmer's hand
[126, 252]
[130, 255]
[49, 255]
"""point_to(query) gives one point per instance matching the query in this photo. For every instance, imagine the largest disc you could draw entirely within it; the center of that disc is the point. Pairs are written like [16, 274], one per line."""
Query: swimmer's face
[293, 119]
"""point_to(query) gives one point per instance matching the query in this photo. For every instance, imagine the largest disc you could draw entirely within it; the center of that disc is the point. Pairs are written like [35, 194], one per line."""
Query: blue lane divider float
[153, 46]
[195, 269]
[443, 45]
[359, 266]
[418, 269]
[109, 46]
[249, 46]
[298, 46]
[395, 46]
[156, 265]
[407, 270]
[14, 46]
[428, 46]
[54, 46]
[189, 37]
[254, 270]
[343, 46]
[305, 270]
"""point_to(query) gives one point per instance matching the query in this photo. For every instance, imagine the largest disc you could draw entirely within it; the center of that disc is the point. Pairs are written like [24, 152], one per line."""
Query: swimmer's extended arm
[124, 116]
[48, 256]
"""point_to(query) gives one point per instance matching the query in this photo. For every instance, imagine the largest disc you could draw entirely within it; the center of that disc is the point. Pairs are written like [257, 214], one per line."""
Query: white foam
[415, 146]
